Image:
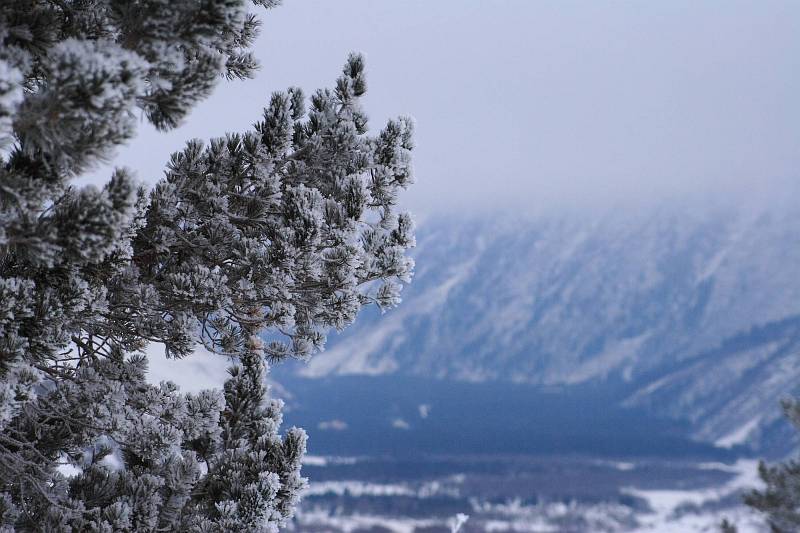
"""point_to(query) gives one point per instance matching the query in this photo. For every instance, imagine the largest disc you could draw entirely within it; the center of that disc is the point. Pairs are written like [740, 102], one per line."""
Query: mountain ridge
[638, 296]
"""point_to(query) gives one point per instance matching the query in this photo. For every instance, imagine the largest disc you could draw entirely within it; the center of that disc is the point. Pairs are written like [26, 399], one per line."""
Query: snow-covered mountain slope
[695, 311]
[731, 393]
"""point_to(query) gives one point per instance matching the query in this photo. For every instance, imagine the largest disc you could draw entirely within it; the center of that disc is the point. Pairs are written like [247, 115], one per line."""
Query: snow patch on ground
[738, 436]
[667, 511]
[358, 489]
[622, 466]
[399, 423]
[424, 410]
[612, 357]
[333, 425]
[328, 460]
[666, 505]
[448, 486]
[358, 522]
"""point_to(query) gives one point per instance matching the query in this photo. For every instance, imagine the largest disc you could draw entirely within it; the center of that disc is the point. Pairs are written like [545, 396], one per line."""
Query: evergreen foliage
[280, 233]
[779, 501]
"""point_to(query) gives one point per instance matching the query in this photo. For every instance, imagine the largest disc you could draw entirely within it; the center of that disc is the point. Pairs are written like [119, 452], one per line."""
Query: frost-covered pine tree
[779, 500]
[252, 246]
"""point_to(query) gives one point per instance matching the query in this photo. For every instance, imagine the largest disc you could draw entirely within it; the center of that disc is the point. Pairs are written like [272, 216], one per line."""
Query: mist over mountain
[691, 313]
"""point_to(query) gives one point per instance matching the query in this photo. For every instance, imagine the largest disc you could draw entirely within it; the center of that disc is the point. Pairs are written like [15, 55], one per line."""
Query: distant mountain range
[692, 313]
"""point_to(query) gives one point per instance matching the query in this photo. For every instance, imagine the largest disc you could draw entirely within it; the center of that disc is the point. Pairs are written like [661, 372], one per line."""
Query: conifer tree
[779, 500]
[279, 233]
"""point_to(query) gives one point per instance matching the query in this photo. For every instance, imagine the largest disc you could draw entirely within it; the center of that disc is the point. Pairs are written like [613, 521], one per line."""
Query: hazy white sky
[532, 104]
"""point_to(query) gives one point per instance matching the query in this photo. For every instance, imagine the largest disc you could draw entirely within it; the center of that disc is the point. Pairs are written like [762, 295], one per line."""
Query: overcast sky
[533, 104]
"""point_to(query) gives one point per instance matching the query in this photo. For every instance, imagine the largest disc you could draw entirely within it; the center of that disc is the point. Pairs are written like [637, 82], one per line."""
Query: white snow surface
[670, 511]
[738, 436]
[665, 504]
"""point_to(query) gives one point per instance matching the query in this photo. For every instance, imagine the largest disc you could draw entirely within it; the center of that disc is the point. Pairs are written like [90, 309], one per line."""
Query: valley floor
[404, 455]
[518, 494]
